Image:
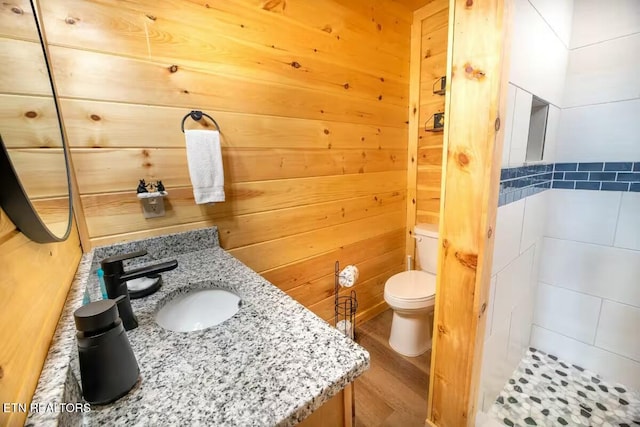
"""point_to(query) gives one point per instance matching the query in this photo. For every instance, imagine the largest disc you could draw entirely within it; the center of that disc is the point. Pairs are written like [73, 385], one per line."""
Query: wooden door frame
[477, 65]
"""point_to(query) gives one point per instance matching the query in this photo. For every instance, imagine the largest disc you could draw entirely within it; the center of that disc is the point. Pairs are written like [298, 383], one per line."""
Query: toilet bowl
[411, 296]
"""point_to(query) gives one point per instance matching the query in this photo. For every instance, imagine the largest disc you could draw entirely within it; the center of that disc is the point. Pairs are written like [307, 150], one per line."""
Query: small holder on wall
[344, 318]
[438, 123]
[152, 202]
[440, 86]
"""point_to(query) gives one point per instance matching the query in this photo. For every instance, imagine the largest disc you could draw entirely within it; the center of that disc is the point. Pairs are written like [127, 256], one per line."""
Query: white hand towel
[205, 165]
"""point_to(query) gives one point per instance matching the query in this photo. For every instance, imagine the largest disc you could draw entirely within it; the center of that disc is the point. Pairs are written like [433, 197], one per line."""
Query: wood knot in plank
[145, 153]
[469, 3]
[31, 114]
[326, 132]
[173, 69]
[490, 233]
[95, 117]
[346, 85]
[462, 159]
[445, 244]
[151, 17]
[1, 372]
[468, 260]
[70, 20]
[17, 11]
[496, 125]
[272, 4]
[472, 73]
[441, 329]
[327, 29]
[295, 64]
[379, 27]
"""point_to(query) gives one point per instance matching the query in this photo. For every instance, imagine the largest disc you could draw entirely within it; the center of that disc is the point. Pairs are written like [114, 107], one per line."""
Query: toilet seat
[412, 289]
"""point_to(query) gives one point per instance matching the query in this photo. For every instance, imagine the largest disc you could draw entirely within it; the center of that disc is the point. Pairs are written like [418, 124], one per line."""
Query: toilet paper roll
[348, 276]
[344, 326]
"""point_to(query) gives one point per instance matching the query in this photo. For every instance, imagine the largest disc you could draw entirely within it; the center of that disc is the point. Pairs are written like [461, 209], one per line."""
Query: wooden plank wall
[28, 119]
[433, 65]
[312, 99]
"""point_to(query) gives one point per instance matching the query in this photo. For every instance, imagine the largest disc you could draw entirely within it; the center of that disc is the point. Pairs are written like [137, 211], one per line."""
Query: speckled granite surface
[272, 363]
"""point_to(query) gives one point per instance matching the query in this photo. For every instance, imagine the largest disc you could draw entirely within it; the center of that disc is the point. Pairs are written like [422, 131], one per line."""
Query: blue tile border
[618, 166]
[518, 183]
[614, 186]
[599, 176]
[525, 181]
[595, 167]
[602, 176]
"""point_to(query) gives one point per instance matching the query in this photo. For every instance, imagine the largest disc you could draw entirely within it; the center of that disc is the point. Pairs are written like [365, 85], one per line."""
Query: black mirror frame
[13, 198]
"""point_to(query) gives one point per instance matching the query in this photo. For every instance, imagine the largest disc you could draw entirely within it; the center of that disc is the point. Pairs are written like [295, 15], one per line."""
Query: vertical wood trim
[348, 405]
[468, 207]
[445, 149]
[412, 146]
[78, 209]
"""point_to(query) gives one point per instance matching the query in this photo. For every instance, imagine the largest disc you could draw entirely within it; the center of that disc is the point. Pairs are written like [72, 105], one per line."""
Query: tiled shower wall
[539, 57]
[573, 250]
[588, 297]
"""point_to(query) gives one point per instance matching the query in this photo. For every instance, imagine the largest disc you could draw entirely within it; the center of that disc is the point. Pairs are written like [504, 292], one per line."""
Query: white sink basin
[198, 309]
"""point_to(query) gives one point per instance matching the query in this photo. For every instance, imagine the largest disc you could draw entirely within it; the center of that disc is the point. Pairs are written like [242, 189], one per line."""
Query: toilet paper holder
[345, 306]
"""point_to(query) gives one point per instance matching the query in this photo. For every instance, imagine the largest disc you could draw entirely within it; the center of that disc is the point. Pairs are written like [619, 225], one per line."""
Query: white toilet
[411, 295]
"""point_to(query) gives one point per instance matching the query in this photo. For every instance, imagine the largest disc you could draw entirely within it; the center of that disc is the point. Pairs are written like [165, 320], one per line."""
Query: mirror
[34, 174]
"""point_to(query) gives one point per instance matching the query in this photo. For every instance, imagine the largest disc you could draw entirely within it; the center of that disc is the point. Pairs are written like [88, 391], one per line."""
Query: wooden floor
[393, 392]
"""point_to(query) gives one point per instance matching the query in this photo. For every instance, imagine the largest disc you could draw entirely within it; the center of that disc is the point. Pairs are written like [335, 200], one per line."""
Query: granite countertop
[273, 363]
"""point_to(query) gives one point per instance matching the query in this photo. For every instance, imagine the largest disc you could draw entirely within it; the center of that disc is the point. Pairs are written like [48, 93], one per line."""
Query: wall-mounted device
[440, 86]
[152, 201]
[435, 123]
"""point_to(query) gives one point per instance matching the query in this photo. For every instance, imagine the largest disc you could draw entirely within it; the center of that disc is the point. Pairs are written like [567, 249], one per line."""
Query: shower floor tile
[546, 391]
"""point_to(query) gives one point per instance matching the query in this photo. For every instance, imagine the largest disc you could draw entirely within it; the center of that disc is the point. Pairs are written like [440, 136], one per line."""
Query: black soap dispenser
[108, 367]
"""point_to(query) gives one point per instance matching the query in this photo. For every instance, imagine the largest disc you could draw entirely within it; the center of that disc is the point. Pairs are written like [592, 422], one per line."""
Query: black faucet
[115, 280]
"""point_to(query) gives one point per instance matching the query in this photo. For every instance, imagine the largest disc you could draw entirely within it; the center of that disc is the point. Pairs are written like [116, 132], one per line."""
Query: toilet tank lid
[427, 230]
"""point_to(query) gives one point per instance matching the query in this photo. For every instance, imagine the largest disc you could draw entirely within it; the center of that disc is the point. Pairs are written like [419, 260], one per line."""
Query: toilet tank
[427, 246]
